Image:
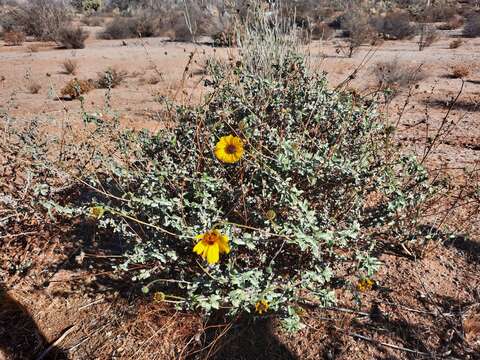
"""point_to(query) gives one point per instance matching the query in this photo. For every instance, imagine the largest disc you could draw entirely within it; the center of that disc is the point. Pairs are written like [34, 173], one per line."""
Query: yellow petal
[199, 237]
[223, 243]
[213, 254]
[199, 248]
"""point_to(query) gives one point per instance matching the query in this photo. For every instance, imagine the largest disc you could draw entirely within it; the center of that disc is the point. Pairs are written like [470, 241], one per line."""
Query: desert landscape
[328, 150]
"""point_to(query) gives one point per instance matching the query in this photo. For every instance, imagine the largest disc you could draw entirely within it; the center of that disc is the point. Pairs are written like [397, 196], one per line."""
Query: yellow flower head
[97, 212]
[158, 297]
[364, 285]
[262, 306]
[229, 149]
[211, 245]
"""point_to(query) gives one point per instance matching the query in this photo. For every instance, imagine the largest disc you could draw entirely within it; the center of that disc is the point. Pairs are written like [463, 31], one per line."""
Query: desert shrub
[455, 44]
[70, 66]
[357, 28]
[428, 35]
[226, 38]
[33, 48]
[76, 87]
[14, 38]
[321, 31]
[472, 26]
[460, 71]
[441, 11]
[129, 27]
[293, 189]
[93, 20]
[394, 76]
[91, 5]
[453, 23]
[34, 87]
[39, 18]
[395, 25]
[111, 78]
[120, 28]
[71, 37]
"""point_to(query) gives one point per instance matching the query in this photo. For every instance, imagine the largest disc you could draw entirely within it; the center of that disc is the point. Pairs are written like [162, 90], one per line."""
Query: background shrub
[321, 31]
[395, 25]
[428, 35]
[130, 27]
[14, 38]
[93, 20]
[39, 18]
[472, 26]
[71, 37]
[356, 26]
[395, 76]
[453, 23]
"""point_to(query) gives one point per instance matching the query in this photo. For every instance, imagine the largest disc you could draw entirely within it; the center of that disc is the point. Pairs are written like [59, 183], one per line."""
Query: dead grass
[70, 66]
[460, 71]
[396, 76]
[428, 35]
[75, 88]
[34, 87]
[455, 44]
[111, 78]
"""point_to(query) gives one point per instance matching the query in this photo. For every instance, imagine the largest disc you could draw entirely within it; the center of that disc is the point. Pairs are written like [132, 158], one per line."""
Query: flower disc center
[210, 239]
[231, 149]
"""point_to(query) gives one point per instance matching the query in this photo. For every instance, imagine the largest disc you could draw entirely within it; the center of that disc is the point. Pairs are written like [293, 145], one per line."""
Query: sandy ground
[101, 319]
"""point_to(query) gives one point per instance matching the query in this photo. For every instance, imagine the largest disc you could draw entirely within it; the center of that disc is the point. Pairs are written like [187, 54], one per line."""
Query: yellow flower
[97, 212]
[364, 285]
[229, 149]
[211, 245]
[262, 306]
[158, 297]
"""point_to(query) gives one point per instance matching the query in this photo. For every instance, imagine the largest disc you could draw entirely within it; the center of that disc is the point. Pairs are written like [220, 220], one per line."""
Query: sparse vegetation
[71, 37]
